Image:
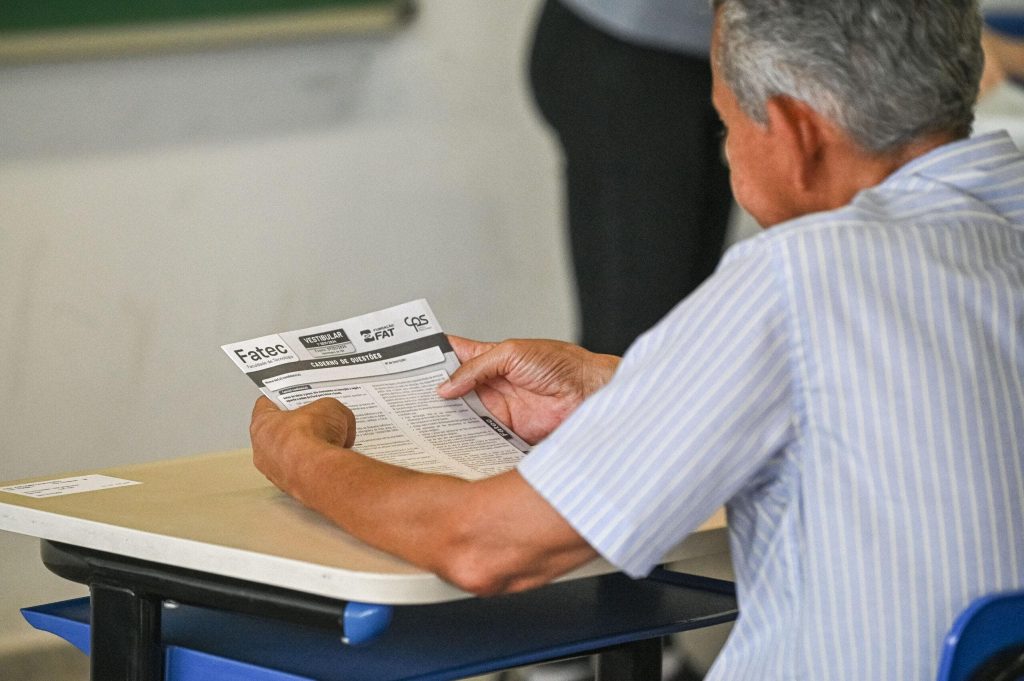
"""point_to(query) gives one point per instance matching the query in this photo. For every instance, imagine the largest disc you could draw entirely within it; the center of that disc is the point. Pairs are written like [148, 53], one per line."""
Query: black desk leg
[125, 637]
[638, 661]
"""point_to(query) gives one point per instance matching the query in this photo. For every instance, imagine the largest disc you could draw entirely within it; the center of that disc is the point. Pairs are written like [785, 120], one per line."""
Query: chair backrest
[986, 642]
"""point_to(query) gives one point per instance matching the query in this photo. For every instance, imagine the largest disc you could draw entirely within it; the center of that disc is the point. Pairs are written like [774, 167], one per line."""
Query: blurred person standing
[626, 86]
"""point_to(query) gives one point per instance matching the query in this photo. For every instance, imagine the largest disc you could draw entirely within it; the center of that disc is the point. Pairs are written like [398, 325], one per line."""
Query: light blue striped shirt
[852, 384]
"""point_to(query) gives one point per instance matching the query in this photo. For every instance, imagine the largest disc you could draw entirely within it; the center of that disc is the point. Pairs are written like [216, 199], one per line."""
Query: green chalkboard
[30, 15]
[32, 29]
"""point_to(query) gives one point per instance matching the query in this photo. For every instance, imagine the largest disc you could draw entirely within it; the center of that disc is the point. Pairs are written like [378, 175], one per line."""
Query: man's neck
[853, 169]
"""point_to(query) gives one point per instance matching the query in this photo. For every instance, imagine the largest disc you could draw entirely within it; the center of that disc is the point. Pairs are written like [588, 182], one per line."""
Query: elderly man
[850, 382]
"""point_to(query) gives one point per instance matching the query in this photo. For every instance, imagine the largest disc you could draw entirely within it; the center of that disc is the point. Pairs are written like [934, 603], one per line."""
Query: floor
[58, 662]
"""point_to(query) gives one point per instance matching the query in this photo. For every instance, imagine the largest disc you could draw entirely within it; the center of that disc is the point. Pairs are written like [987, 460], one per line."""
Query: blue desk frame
[223, 628]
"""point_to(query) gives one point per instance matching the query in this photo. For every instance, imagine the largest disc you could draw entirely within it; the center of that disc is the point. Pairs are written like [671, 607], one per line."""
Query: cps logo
[417, 322]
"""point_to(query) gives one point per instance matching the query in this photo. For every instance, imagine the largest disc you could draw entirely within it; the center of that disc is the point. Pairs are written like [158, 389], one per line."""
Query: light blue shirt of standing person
[851, 385]
[674, 25]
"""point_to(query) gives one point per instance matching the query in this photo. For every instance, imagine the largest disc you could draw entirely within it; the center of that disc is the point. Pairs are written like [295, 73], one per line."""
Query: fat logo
[371, 335]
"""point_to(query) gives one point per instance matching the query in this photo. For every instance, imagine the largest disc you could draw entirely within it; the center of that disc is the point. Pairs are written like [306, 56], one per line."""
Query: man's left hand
[284, 443]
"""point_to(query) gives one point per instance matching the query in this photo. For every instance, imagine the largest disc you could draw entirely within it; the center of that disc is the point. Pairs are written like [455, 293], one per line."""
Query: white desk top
[216, 513]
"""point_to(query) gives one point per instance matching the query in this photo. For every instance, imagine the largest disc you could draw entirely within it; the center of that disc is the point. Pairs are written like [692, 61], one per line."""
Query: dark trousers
[648, 193]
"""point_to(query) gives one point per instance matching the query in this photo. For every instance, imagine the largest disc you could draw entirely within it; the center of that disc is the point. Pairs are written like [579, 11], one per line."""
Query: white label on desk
[62, 486]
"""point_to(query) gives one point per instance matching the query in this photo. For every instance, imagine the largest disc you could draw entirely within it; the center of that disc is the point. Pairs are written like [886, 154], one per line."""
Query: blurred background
[155, 205]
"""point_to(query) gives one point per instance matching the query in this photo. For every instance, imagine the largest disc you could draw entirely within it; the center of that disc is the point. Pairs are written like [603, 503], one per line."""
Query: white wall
[153, 208]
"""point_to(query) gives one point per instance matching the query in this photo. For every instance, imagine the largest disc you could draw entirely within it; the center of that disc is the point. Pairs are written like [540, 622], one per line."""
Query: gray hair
[885, 71]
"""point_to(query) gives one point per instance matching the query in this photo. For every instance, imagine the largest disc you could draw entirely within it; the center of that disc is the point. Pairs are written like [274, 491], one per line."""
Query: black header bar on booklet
[433, 340]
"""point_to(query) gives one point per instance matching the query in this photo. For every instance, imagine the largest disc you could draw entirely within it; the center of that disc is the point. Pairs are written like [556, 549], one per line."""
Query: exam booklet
[385, 367]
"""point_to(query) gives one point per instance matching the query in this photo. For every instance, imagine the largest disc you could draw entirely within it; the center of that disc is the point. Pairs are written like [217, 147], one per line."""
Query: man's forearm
[486, 537]
[394, 509]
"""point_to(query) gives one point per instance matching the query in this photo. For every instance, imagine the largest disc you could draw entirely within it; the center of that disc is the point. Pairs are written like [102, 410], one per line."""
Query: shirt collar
[959, 156]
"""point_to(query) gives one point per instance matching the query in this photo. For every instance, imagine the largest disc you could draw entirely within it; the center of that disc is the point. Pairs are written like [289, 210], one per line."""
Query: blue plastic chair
[986, 642]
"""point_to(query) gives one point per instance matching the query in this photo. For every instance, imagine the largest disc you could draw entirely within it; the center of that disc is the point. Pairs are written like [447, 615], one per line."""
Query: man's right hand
[531, 385]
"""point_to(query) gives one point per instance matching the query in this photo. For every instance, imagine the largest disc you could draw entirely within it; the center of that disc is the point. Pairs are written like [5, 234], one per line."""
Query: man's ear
[799, 137]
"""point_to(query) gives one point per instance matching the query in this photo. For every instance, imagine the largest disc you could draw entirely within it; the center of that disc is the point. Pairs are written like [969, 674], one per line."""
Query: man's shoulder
[837, 240]
[787, 239]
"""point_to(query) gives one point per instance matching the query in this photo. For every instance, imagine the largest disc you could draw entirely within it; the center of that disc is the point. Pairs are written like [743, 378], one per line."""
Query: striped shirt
[851, 385]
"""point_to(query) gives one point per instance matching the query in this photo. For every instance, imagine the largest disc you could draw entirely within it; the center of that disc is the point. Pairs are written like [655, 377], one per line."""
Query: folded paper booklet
[385, 366]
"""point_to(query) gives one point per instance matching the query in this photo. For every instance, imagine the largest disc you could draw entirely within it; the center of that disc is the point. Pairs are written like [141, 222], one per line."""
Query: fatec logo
[261, 355]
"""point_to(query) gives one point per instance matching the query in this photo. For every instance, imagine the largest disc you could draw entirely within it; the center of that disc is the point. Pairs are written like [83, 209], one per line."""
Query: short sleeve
[697, 407]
